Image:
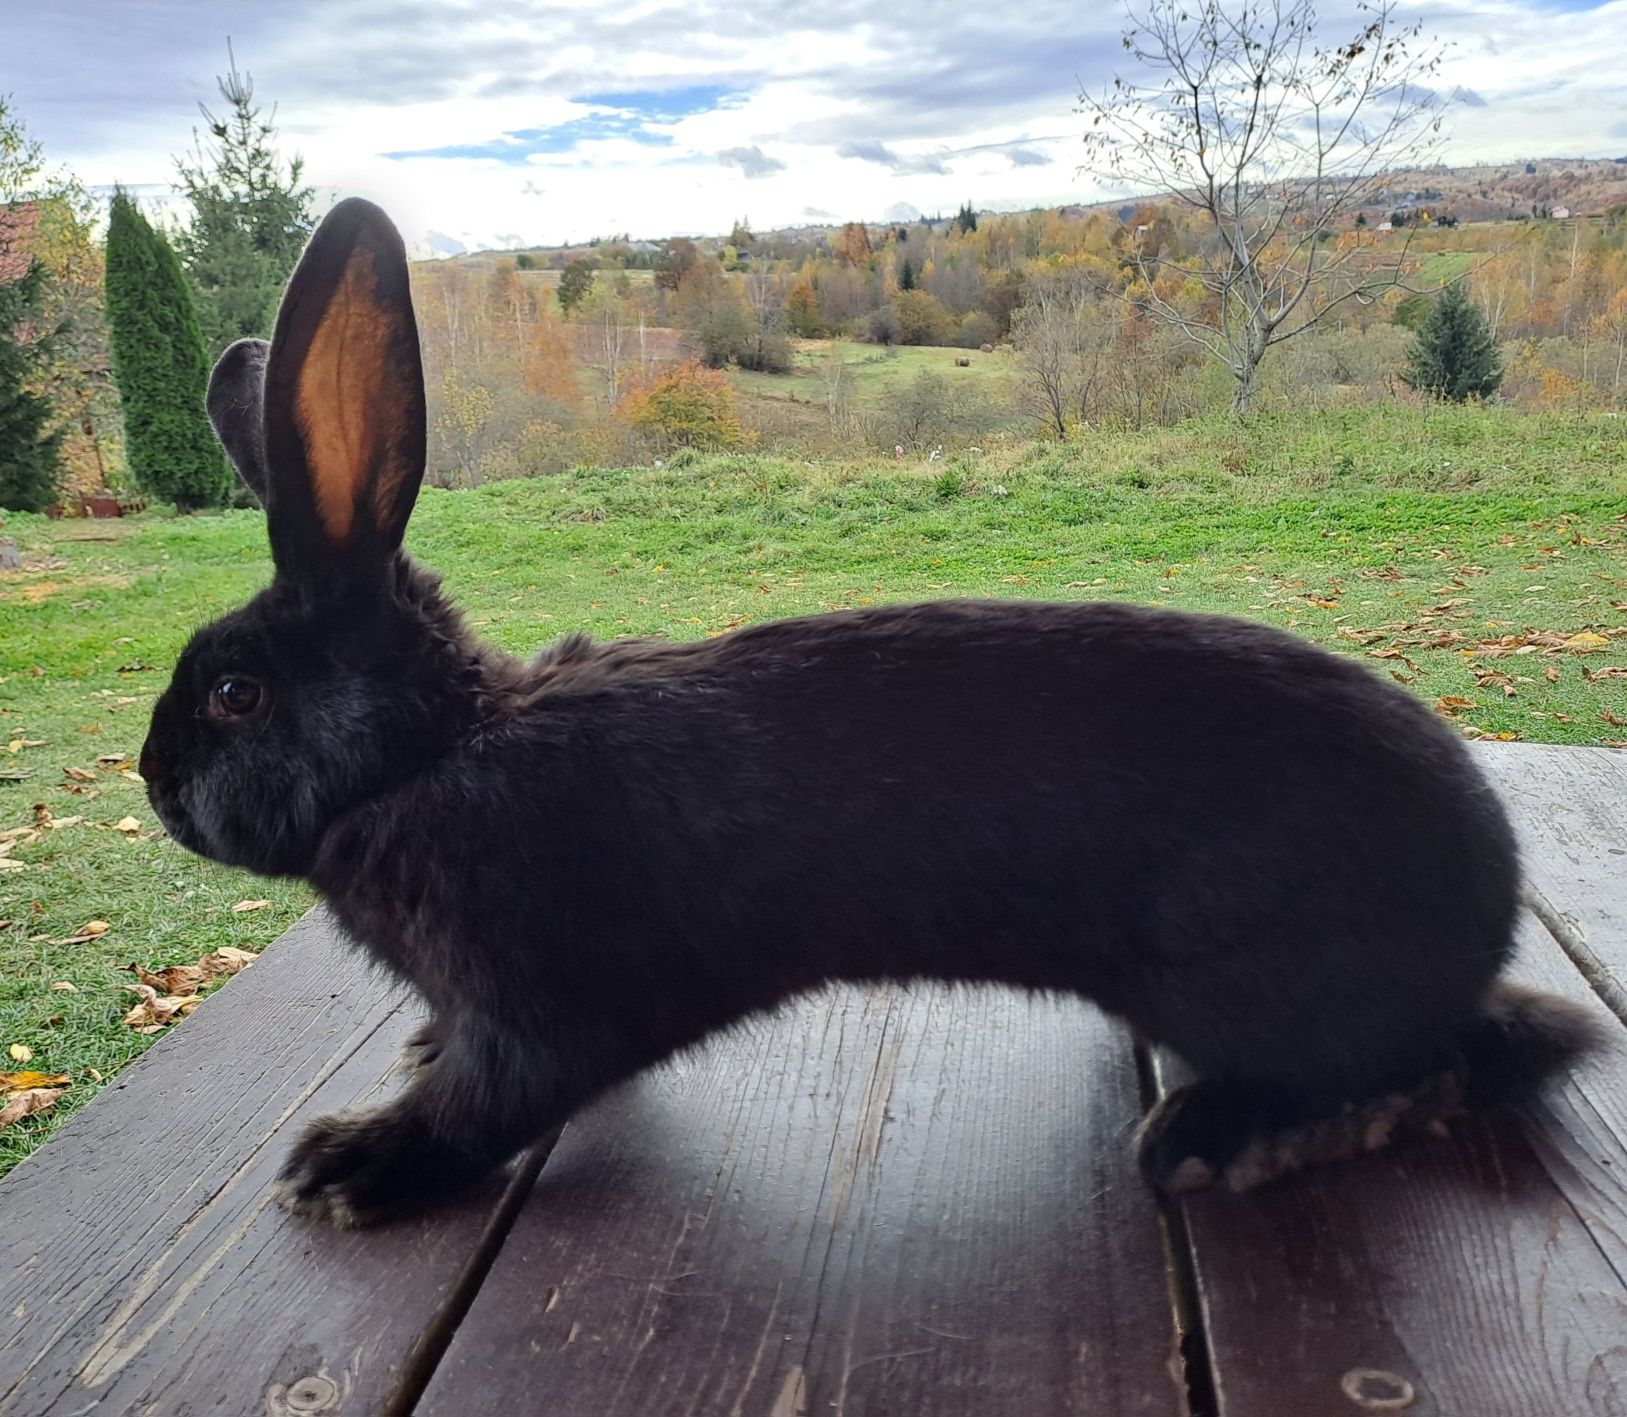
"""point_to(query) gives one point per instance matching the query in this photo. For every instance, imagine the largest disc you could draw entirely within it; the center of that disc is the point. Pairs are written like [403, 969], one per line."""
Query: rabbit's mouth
[176, 822]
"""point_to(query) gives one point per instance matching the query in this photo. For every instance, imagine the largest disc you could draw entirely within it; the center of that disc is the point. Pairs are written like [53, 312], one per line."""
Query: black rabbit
[1262, 856]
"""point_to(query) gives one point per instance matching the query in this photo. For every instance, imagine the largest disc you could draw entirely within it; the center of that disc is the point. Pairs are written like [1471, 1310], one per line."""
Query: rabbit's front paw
[361, 1167]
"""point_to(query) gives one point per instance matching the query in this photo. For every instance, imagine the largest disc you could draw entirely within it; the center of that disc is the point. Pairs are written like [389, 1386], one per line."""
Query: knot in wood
[1377, 1391]
[313, 1394]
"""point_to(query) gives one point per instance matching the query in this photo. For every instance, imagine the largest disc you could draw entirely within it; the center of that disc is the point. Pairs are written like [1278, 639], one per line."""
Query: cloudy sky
[540, 121]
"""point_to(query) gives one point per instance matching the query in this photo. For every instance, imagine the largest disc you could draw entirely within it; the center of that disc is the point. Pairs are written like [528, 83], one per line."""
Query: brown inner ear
[340, 395]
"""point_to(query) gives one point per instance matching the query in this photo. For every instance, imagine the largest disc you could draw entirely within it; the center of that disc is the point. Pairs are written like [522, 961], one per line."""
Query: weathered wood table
[889, 1201]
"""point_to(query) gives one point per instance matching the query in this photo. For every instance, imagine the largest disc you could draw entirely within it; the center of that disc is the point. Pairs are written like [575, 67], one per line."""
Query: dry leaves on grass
[1451, 704]
[172, 993]
[25, 1104]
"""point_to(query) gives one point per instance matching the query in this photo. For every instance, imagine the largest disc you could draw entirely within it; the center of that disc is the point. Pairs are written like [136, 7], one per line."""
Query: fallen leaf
[80, 775]
[21, 1053]
[20, 1082]
[156, 1010]
[57, 823]
[92, 928]
[1495, 680]
[95, 1076]
[177, 979]
[117, 759]
[1552, 675]
[1615, 720]
[128, 825]
[1586, 642]
[64, 986]
[1451, 704]
[42, 816]
[228, 960]
[133, 775]
[1613, 671]
[244, 906]
[26, 1104]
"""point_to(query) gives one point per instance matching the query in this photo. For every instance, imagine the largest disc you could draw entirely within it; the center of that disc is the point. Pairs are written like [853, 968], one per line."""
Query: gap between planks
[437, 1336]
[1190, 1358]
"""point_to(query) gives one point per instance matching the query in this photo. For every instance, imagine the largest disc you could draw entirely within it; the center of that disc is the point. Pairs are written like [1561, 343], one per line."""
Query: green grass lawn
[1421, 536]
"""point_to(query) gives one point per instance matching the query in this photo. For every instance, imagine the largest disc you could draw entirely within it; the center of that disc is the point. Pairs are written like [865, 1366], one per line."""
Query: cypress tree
[28, 451]
[159, 364]
[1453, 356]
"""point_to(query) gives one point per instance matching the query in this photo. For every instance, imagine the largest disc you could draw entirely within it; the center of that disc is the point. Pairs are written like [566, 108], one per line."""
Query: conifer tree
[251, 217]
[1454, 356]
[160, 366]
[28, 445]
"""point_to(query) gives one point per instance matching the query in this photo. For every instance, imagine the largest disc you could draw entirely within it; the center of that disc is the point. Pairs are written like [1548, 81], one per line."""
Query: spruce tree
[28, 448]
[251, 217]
[160, 366]
[1454, 356]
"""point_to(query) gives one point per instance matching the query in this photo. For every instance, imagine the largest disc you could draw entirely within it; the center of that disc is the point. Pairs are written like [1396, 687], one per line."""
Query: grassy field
[878, 372]
[1480, 556]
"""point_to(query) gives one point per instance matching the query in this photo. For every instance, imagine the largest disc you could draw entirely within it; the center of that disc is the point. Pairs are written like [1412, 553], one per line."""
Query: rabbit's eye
[236, 697]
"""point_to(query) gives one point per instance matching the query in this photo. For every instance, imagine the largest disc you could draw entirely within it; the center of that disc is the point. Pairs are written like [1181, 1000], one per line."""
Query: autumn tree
[802, 310]
[767, 348]
[1058, 353]
[686, 406]
[251, 215]
[550, 362]
[919, 319]
[1611, 327]
[46, 213]
[853, 244]
[160, 365]
[676, 256]
[1239, 116]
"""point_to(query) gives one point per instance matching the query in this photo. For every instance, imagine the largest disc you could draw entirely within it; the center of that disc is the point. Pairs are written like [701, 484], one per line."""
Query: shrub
[686, 406]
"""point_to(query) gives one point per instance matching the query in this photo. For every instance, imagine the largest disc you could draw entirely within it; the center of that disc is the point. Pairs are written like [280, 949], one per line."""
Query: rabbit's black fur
[1265, 857]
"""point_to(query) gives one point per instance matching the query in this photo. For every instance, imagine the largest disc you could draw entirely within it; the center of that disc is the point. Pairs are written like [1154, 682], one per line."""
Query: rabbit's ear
[236, 403]
[344, 398]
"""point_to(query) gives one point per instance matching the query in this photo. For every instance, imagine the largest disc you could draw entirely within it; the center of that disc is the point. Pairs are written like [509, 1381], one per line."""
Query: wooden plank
[146, 1269]
[1570, 808]
[1485, 1272]
[890, 1201]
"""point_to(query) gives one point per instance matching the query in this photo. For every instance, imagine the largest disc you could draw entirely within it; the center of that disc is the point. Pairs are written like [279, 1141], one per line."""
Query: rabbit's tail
[1523, 1037]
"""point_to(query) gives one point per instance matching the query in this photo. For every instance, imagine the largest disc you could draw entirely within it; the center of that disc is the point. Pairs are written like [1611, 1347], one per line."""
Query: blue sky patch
[519, 146]
[668, 105]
